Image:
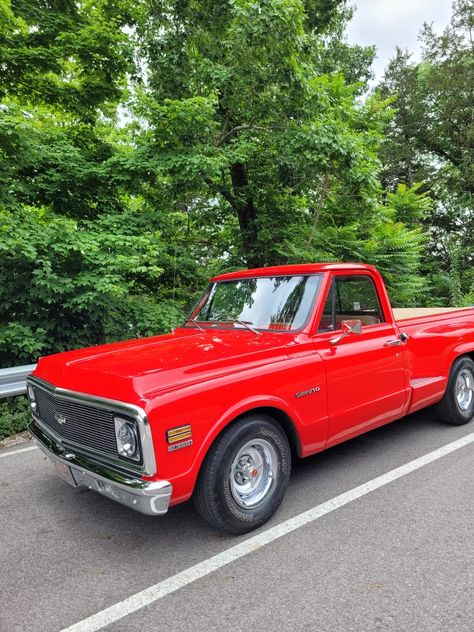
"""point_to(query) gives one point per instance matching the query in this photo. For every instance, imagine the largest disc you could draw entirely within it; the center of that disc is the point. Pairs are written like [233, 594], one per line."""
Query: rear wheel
[245, 475]
[457, 405]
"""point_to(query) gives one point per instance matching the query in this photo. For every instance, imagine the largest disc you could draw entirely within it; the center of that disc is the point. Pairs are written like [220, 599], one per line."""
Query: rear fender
[466, 348]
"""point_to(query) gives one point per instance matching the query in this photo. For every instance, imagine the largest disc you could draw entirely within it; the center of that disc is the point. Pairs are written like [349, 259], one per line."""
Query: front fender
[210, 410]
[184, 483]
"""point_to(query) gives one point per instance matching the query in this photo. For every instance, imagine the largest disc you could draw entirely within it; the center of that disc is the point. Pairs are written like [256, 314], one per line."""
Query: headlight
[32, 397]
[127, 440]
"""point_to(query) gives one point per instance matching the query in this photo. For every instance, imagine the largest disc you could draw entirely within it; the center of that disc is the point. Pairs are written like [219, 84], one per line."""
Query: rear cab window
[351, 297]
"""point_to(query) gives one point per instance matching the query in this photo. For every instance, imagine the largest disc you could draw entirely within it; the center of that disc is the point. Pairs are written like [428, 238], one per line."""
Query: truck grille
[85, 425]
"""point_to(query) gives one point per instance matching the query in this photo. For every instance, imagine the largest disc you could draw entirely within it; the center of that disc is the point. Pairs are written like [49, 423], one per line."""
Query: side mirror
[348, 327]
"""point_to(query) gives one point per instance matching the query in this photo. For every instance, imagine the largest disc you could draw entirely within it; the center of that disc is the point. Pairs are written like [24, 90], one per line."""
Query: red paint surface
[209, 378]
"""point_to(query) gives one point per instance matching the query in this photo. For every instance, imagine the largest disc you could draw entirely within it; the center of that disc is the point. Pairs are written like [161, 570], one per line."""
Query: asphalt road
[398, 558]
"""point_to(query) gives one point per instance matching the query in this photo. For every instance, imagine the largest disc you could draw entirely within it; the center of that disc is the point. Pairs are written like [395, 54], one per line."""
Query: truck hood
[138, 370]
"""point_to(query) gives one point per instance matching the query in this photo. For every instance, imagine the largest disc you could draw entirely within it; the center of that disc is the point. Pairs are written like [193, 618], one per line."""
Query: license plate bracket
[64, 472]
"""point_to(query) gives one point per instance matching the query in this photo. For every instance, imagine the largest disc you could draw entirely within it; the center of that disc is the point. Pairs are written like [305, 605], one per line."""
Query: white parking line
[158, 591]
[13, 452]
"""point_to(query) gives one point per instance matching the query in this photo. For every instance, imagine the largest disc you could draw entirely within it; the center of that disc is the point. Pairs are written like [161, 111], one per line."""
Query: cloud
[392, 23]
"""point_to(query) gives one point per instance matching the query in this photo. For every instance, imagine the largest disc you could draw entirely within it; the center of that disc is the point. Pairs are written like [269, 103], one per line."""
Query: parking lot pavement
[398, 558]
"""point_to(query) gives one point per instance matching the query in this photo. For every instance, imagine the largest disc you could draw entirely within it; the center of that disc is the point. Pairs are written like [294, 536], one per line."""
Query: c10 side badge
[309, 391]
[178, 446]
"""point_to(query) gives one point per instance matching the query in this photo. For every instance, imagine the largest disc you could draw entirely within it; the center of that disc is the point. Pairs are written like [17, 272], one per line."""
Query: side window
[351, 297]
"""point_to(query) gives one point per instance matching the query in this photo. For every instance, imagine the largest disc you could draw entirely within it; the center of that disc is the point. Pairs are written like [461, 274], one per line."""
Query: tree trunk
[409, 164]
[325, 186]
[246, 214]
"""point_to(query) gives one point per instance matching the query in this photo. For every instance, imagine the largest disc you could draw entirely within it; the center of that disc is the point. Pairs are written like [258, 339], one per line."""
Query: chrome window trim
[143, 425]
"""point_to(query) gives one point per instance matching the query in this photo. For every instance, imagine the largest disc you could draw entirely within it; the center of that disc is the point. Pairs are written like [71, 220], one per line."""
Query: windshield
[277, 303]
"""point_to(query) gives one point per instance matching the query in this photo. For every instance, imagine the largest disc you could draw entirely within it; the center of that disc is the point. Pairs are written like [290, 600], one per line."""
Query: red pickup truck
[272, 364]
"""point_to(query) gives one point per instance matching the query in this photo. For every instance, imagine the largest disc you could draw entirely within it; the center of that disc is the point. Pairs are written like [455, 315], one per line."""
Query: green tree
[248, 119]
[66, 285]
[64, 53]
[393, 241]
[430, 141]
[80, 257]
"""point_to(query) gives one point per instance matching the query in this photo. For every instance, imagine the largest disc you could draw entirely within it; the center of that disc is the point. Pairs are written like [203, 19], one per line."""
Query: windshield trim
[215, 326]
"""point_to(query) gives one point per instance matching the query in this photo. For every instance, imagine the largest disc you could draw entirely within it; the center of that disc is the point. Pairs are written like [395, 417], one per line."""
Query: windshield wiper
[195, 323]
[245, 324]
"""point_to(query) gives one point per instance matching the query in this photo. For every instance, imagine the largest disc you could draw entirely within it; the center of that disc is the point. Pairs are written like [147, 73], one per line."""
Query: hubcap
[465, 389]
[253, 473]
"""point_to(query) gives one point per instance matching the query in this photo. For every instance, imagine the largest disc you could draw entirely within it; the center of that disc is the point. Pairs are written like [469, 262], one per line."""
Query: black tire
[450, 409]
[223, 476]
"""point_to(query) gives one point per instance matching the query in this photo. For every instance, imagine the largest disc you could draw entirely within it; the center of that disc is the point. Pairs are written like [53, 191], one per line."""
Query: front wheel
[244, 476]
[457, 405]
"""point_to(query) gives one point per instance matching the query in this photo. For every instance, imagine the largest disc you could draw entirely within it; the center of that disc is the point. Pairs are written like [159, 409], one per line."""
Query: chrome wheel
[253, 473]
[464, 389]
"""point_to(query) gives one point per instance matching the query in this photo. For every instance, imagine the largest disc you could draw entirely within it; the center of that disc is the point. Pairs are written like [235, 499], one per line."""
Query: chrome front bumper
[148, 497]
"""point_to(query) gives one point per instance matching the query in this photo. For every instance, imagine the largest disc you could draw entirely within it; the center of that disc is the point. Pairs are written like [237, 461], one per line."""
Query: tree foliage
[431, 141]
[245, 111]
[147, 145]
[69, 54]
[80, 258]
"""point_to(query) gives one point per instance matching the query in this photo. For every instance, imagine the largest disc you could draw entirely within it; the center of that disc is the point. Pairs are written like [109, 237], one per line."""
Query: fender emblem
[61, 419]
[178, 446]
[309, 391]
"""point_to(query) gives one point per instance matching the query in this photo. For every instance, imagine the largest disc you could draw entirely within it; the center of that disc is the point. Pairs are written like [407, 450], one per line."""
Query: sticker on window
[356, 306]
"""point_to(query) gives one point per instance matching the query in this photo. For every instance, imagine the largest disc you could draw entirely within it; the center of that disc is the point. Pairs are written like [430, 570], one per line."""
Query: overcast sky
[391, 23]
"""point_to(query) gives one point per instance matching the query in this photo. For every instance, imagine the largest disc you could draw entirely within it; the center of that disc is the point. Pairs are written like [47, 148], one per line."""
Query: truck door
[366, 382]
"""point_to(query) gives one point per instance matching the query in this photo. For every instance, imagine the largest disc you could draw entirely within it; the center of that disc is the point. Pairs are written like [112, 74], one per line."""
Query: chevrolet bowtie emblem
[61, 419]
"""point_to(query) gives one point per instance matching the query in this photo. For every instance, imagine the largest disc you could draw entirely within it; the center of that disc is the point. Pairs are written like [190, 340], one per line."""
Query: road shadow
[404, 434]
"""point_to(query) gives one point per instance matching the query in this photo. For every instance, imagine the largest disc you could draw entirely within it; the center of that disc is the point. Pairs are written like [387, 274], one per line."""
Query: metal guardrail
[13, 380]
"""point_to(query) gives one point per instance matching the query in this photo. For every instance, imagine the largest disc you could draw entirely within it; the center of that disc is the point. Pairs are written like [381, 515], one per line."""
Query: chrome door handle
[393, 343]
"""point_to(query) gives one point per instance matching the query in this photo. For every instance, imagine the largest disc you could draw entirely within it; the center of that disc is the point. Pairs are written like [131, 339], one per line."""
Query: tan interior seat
[366, 319]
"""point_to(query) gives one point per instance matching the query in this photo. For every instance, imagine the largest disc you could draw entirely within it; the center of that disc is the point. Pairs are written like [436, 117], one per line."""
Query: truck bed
[409, 313]
[437, 334]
